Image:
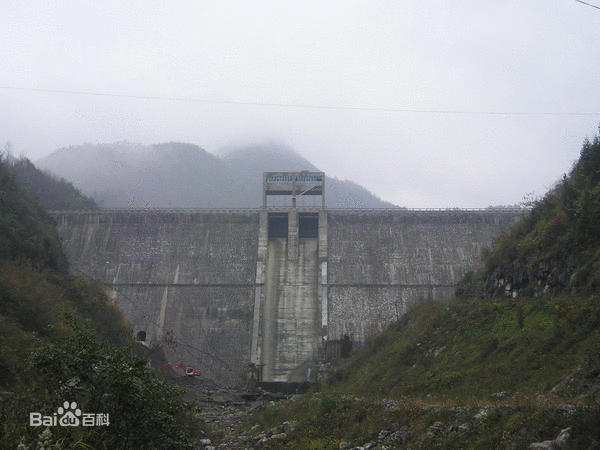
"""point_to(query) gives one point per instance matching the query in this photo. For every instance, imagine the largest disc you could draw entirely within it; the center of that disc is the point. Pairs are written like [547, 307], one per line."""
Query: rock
[387, 405]
[279, 437]
[483, 413]
[288, 427]
[432, 408]
[560, 443]
[277, 430]
[259, 438]
[543, 269]
[500, 395]
[567, 410]
[465, 428]
[437, 426]
[383, 434]
[400, 436]
[549, 445]
[274, 396]
[563, 438]
[436, 430]
[506, 281]
[437, 351]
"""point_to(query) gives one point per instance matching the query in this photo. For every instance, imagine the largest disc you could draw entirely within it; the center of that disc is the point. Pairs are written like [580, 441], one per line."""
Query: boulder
[560, 443]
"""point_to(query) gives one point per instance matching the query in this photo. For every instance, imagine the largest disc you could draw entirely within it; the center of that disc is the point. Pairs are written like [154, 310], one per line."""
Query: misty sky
[402, 97]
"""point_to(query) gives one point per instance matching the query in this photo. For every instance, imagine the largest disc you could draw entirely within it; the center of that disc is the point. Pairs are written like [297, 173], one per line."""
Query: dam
[272, 287]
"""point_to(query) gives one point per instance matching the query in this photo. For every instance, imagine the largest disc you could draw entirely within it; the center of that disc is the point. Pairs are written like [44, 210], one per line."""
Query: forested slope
[53, 193]
[62, 340]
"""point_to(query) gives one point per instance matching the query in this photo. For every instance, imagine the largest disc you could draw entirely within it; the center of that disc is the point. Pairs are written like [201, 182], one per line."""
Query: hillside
[179, 175]
[36, 291]
[62, 340]
[53, 193]
[513, 360]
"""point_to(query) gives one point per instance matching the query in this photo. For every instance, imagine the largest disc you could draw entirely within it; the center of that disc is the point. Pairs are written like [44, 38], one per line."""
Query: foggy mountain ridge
[183, 175]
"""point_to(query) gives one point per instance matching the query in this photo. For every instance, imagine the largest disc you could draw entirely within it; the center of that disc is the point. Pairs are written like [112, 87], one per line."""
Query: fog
[426, 104]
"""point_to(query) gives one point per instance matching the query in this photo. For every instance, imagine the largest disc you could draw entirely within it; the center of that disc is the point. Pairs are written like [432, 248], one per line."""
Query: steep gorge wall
[292, 318]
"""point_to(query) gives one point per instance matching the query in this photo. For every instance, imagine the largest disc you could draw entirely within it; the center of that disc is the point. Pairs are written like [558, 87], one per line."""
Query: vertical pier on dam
[290, 305]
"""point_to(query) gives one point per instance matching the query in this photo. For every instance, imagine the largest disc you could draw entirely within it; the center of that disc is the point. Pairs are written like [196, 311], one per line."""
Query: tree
[144, 410]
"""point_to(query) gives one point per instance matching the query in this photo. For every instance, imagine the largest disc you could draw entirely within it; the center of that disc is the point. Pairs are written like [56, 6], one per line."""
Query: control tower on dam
[219, 289]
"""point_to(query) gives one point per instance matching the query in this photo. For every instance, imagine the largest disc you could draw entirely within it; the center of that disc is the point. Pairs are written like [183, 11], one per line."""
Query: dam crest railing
[285, 209]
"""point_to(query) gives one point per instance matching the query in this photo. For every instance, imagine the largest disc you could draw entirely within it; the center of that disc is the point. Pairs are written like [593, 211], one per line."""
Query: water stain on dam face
[270, 287]
[291, 324]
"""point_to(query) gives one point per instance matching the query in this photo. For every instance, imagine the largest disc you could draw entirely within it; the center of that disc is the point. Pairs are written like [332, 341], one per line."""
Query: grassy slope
[443, 363]
[468, 350]
[526, 323]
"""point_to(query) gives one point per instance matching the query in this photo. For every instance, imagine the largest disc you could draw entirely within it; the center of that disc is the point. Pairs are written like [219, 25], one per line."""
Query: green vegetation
[27, 234]
[36, 291]
[466, 351]
[144, 410]
[62, 340]
[557, 247]
[512, 360]
[51, 192]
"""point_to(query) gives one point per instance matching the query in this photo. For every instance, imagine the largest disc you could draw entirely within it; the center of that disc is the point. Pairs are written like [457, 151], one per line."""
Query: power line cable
[593, 6]
[304, 106]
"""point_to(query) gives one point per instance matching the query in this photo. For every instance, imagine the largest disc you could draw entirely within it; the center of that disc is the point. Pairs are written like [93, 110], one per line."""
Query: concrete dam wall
[221, 289]
[380, 263]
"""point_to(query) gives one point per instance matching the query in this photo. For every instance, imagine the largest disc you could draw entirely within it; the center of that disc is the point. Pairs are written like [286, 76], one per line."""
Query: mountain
[180, 175]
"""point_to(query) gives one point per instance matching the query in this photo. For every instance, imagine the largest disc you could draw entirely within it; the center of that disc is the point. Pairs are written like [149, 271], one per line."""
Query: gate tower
[294, 185]
[290, 302]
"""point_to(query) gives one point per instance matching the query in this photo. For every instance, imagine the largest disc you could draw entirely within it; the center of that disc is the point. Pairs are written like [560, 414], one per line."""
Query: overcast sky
[425, 103]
